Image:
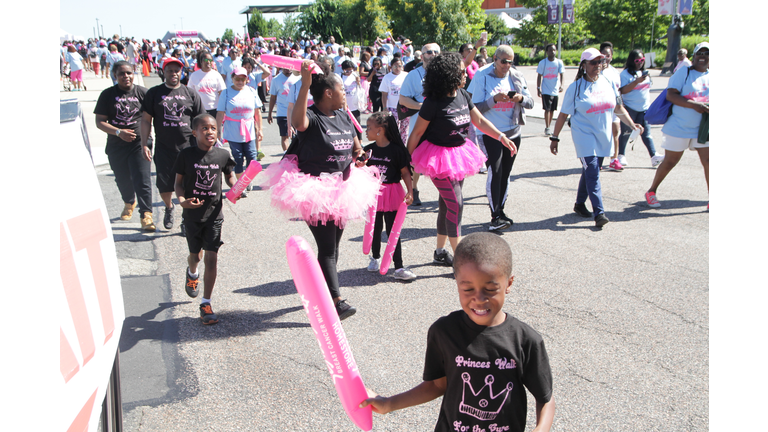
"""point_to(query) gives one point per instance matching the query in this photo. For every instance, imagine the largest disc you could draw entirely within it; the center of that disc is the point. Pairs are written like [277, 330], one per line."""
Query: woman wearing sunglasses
[207, 82]
[688, 90]
[591, 101]
[636, 92]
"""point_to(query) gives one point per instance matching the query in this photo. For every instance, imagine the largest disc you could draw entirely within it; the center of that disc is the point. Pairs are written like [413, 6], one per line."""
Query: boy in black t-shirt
[198, 188]
[480, 359]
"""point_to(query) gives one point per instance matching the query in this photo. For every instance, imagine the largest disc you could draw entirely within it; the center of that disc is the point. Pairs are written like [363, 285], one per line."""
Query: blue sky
[152, 19]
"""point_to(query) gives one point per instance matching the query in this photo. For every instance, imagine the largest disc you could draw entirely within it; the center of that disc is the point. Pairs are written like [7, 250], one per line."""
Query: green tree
[448, 23]
[609, 19]
[537, 33]
[697, 23]
[228, 35]
[324, 18]
[290, 27]
[257, 23]
[495, 27]
[367, 20]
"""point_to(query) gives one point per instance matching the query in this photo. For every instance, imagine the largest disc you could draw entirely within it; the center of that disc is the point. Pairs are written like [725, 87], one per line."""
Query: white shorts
[671, 143]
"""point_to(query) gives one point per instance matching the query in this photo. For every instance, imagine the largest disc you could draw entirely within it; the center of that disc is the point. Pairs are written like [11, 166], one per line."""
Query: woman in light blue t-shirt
[688, 90]
[636, 93]
[591, 101]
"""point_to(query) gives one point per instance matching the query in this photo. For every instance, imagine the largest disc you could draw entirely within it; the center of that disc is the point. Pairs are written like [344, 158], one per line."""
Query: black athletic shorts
[204, 235]
[282, 124]
[165, 158]
[549, 102]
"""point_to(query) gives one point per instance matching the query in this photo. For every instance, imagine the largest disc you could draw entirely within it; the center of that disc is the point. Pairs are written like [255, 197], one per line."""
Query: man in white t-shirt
[229, 65]
[208, 83]
[549, 83]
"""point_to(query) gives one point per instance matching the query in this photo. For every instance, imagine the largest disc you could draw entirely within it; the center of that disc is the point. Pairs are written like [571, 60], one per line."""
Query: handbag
[703, 129]
[403, 112]
[661, 108]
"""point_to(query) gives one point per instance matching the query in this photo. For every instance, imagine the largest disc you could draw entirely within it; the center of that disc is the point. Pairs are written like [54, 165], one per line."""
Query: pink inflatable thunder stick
[245, 179]
[368, 234]
[386, 260]
[291, 63]
[322, 315]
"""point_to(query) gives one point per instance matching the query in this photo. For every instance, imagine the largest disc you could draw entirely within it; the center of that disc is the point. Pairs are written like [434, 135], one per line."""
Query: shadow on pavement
[143, 327]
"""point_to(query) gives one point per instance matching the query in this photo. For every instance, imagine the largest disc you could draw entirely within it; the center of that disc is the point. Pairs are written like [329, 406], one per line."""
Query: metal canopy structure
[273, 9]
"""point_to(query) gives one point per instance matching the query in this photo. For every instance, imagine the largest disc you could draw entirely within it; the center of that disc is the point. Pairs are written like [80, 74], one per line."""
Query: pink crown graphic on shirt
[173, 113]
[125, 113]
[483, 404]
[204, 181]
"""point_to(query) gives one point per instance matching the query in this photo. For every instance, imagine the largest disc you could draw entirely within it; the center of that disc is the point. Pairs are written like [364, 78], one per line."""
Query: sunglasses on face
[640, 60]
[207, 61]
[505, 61]
[347, 71]
[702, 53]
[432, 52]
[596, 62]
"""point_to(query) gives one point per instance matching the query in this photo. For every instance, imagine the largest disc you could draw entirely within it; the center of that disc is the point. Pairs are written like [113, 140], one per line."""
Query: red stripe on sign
[87, 232]
[80, 423]
[67, 359]
[75, 299]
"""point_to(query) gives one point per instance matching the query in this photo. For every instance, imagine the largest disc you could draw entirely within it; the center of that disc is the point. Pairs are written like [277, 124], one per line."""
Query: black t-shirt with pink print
[449, 119]
[326, 145]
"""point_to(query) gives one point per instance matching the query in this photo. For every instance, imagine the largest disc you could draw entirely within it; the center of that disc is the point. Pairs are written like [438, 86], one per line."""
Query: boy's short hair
[196, 121]
[484, 248]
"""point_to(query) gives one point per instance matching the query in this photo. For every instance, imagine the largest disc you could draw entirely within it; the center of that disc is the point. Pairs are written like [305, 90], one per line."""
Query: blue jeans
[639, 118]
[240, 149]
[589, 184]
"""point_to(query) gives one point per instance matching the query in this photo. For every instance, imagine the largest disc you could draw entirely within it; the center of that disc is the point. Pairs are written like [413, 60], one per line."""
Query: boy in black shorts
[480, 359]
[198, 188]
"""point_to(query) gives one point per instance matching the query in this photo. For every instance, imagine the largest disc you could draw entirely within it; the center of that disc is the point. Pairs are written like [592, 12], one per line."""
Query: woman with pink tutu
[440, 147]
[316, 179]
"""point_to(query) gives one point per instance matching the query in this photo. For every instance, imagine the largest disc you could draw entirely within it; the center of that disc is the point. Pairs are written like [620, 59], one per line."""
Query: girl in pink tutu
[440, 147]
[316, 179]
[389, 155]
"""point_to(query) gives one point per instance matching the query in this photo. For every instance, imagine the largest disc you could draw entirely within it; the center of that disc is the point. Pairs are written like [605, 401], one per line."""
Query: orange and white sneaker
[207, 315]
[650, 199]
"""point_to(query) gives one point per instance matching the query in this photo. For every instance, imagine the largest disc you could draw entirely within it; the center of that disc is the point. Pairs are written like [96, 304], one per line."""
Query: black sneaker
[344, 309]
[191, 285]
[443, 258]
[207, 315]
[416, 200]
[601, 220]
[498, 224]
[504, 217]
[168, 218]
[183, 228]
[581, 210]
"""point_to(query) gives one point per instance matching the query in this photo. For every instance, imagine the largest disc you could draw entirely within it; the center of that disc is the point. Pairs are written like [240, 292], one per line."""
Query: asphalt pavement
[624, 311]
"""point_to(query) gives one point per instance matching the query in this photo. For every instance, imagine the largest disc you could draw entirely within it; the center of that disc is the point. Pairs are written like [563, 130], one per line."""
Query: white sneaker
[404, 274]
[623, 160]
[656, 160]
[374, 265]
[547, 131]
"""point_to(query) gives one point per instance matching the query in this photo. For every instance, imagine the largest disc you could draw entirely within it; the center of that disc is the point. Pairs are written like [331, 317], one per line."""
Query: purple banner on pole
[568, 11]
[685, 7]
[553, 12]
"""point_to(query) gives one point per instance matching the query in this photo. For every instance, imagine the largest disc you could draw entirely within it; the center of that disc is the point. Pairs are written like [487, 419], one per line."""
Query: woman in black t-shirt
[440, 147]
[374, 77]
[316, 180]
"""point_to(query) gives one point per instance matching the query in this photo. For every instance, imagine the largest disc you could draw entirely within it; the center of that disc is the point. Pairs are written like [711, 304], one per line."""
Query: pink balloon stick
[253, 168]
[324, 320]
[368, 234]
[354, 121]
[287, 63]
[386, 260]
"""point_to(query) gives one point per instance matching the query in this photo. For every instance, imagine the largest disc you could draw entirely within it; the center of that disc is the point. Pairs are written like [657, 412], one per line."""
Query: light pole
[182, 22]
[97, 26]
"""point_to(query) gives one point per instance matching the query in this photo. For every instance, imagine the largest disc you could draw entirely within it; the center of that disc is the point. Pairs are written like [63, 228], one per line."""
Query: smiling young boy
[479, 358]
[198, 188]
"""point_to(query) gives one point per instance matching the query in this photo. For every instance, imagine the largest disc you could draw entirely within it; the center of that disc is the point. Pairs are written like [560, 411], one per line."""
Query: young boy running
[198, 188]
[481, 359]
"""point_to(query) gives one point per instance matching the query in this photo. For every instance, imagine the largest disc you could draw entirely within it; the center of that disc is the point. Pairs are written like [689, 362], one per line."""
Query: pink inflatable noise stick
[291, 63]
[386, 260]
[354, 121]
[253, 168]
[368, 234]
[325, 323]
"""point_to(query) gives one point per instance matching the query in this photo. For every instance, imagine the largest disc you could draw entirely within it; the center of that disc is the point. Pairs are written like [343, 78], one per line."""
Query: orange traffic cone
[145, 68]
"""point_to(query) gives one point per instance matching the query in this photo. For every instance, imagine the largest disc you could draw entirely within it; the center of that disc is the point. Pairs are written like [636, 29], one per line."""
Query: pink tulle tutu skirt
[324, 198]
[454, 163]
[392, 195]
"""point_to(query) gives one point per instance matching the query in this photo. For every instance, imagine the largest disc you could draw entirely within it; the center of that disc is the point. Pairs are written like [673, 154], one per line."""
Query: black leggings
[132, 174]
[327, 238]
[500, 161]
[389, 217]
